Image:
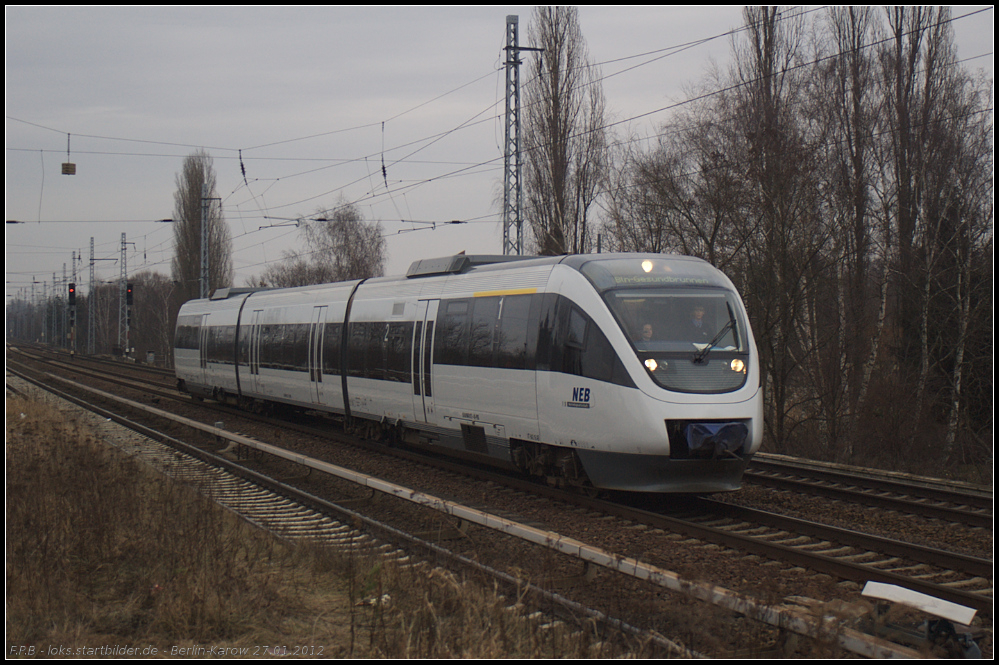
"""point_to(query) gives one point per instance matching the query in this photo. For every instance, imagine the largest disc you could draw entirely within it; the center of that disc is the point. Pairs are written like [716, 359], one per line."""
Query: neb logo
[580, 394]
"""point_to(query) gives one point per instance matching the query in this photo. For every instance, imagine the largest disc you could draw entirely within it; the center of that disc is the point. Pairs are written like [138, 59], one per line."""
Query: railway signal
[128, 307]
[71, 300]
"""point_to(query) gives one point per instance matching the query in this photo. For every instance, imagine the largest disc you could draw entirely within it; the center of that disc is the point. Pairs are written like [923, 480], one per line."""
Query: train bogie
[539, 364]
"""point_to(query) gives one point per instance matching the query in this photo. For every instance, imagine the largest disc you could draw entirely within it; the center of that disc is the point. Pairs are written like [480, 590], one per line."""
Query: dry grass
[105, 554]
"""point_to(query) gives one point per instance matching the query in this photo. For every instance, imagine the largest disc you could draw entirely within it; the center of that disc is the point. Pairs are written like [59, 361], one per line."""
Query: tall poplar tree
[563, 134]
[195, 180]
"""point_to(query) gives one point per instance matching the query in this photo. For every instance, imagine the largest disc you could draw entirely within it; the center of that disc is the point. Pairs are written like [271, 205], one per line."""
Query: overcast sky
[311, 102]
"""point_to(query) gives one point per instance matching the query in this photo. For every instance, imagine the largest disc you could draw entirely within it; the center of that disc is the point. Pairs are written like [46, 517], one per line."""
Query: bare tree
[291, 270]
[925, 121]
[563, 135]
[340, 246]
[684, 195]
[104, 326]
[640, 217]
[844, 103]
[784, 257]
[966, 283]
[153, 316]
[197, 176]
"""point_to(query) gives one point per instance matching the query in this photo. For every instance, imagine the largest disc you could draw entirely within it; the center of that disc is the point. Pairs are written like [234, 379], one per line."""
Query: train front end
[696, 416]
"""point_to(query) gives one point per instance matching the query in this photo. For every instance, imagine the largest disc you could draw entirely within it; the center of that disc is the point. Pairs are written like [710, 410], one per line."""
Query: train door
[423, 348]
[316, 328]
[254, 351]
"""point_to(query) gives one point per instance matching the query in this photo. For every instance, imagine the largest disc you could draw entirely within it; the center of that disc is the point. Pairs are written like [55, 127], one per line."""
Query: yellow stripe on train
[505, 292]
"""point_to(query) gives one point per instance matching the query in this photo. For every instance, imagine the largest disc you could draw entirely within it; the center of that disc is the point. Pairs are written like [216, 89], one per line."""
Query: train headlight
[647, 265]
[651, 364]
[738, 366]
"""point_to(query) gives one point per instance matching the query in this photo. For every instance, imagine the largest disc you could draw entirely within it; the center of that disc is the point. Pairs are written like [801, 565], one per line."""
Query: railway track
[853, 555]
[720, 523]
[953, 502]
[842, 553]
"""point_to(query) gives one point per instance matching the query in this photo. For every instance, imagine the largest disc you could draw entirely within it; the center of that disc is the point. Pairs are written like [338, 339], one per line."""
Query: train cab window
[576, 337]
[599, 360]
[574, 349]
[697, 341]
[549, 356]
[679, 320]
[570, 342]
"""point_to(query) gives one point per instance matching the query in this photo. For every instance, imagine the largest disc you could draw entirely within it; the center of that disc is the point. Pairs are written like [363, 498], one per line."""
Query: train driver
[696, 328]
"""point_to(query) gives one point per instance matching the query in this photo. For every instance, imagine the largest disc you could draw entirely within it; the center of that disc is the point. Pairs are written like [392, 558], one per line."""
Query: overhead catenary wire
[667, 51]
[408, 186]
[660, 53]
[437, 136]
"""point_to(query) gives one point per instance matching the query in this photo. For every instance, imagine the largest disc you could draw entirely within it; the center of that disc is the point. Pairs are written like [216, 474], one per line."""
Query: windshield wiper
[703, 353]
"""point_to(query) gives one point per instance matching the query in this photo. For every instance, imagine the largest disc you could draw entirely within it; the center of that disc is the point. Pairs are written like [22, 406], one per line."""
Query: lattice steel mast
[513, 221]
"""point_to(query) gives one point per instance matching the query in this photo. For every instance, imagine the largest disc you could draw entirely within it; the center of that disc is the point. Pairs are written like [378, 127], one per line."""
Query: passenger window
[357, 350]
[451, 342]
[485, 312]
[331, 349]
[299, 351]
[512, 336]
[377, 340]
[398, 349]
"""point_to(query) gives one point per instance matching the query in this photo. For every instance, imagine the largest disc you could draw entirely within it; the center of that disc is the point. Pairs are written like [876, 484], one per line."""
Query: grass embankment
[104, 555]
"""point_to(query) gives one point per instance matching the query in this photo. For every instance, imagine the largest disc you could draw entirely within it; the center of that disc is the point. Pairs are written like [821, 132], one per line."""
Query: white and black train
[616, 371]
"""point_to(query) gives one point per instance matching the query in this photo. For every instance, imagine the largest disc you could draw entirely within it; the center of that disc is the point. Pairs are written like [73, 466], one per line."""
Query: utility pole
[206, 209]
[63, 313]
[124, 302]
[54, 311]
[513, 221]
[31, 331]
[204, 240]
[122, 314]
[71, 304]
[72, 308]
[91, 327]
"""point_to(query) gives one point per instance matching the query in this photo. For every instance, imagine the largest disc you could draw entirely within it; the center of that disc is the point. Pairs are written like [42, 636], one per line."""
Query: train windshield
[685, 324]
[679, 320]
